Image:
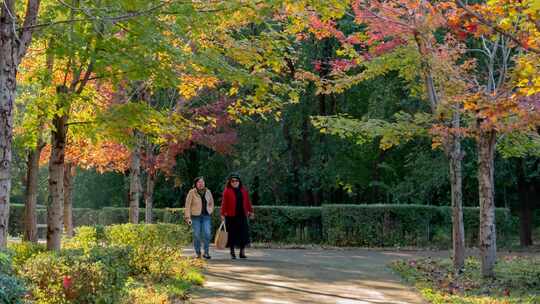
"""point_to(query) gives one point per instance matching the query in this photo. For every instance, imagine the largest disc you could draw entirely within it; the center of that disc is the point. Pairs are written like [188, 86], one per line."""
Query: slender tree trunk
[55, 204]
[308, 195]
[69, 175]
[294, 163]
[32, 180]
[525, 219]
[487, 235]
[149, 197]
[526, 205]
[135, 181]
[458, 230]
[455, 156]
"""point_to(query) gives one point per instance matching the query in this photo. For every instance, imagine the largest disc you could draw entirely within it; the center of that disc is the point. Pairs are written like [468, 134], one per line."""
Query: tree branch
[80, 123]
[112, 19]
[30, 20]
[495, 27]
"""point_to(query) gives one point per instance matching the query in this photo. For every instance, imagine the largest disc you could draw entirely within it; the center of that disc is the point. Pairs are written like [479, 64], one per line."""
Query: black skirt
[238, 229]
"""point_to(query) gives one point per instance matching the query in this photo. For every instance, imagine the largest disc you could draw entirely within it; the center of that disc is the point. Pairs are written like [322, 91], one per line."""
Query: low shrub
[155, 247]
[148, 235]
[98, 264]
[12, 289]
[73, 276]
[85, 237]
[22, 251]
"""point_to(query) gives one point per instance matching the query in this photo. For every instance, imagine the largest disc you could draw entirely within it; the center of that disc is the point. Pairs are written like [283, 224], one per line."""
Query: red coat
[228, 202]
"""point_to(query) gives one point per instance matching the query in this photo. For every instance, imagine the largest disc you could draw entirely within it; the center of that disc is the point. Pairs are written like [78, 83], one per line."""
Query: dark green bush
[85, 216]
[297, 225]
[12, 289]
[377, 225]
[505, 224]
[113, 215]
[339, 225]
[16, 218]
[402, 225]
[173, 215]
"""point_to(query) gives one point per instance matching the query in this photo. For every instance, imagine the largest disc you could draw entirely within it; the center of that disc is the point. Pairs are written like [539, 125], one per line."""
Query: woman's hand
[188, 221]
[251, 215]
[223, 218]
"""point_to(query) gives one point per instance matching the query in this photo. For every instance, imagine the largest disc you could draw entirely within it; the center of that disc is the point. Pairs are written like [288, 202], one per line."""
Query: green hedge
[287, 224]
[337, 225]
[404, 225]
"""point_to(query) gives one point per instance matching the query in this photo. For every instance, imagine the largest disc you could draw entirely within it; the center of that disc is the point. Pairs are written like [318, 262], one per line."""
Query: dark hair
[230, 177]
[196, 179]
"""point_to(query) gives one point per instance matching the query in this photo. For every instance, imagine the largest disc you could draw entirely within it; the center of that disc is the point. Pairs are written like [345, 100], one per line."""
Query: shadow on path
[292, 276]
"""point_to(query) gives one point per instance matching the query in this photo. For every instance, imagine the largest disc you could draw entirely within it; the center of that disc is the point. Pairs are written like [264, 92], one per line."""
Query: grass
[517, 281]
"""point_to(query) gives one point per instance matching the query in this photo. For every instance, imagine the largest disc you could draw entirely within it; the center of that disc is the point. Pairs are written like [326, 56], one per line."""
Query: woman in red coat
[235, 210]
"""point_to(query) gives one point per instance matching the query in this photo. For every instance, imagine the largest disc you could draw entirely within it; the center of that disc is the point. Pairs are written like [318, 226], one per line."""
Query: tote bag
[221, 236]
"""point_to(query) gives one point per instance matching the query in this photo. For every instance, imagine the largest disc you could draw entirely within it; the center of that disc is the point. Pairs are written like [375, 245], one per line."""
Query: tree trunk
[458, 230]
[69, 174]
[8, 72]
[454, 154]
[487, 236]
[149, 197]
[32, 180]
[13, 46]
[55, 204]
[294, 163]
[308, 195]
[526, 192]
[525, 219]
[135, 182]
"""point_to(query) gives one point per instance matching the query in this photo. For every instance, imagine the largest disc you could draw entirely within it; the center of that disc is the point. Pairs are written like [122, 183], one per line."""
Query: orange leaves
[104, 156]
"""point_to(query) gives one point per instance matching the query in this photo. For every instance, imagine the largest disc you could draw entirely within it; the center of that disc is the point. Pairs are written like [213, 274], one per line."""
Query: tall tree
[15, 37]
[399, 36]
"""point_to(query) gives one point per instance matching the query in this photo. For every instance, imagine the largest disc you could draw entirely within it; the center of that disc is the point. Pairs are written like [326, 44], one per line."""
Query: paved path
[295, 276]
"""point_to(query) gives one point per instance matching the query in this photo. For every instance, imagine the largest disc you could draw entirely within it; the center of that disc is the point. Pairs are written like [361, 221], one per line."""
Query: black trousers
[238, 229]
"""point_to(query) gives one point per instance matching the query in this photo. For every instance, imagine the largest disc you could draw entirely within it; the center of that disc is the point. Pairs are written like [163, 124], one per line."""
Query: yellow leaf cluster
[190, 85]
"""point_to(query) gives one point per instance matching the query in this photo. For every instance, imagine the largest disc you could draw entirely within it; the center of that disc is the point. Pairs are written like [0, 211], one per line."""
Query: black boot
[242, 255]
[233, 255]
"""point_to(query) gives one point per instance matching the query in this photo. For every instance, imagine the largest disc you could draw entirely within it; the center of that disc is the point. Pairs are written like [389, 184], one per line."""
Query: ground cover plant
[517, 280]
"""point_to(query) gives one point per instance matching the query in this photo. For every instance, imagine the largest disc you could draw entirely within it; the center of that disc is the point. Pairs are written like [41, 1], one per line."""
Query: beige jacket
[194, 203]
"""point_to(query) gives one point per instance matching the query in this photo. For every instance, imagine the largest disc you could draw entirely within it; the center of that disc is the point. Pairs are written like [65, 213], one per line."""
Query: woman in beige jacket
[198, 214]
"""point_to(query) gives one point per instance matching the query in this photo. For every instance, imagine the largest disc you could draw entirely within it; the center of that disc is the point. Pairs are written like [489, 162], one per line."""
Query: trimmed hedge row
[337, 225]
[404, 225]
